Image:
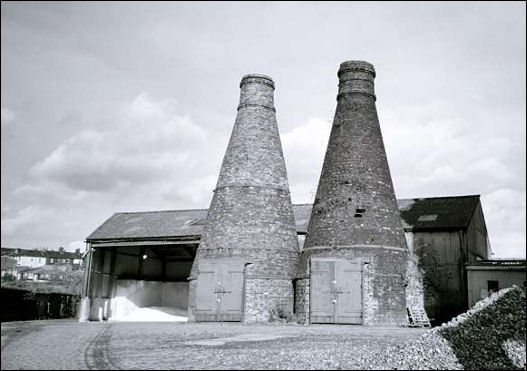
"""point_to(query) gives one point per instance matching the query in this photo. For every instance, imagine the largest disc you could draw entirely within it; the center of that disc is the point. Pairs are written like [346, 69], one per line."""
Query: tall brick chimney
[355, 248]
[248, 254]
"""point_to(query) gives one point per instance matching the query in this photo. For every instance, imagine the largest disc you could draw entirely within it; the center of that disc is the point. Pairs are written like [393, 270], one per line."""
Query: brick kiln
[353, 266]
[248, 254]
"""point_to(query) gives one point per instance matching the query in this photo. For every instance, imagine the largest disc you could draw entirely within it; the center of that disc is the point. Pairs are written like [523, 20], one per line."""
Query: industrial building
[356, 256]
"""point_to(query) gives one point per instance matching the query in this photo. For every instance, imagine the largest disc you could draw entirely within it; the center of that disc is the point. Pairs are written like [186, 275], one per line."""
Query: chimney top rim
[357, 65]
[265, 79]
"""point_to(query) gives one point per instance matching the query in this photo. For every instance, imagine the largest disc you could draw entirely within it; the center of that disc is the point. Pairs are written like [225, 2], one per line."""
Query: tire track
[97, 355]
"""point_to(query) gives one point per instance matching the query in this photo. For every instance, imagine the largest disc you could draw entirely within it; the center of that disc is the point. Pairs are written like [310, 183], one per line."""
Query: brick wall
[263, 295]
[302, 300]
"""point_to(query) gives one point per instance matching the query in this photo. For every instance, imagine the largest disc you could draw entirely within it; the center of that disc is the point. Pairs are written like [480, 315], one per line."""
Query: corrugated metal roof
[452, 212]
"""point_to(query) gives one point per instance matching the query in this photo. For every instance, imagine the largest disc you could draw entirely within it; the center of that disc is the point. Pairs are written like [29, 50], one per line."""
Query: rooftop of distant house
[41, 253]
[498, 264]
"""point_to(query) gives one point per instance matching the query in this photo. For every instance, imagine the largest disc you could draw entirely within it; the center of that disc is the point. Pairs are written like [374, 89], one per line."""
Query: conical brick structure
[248, 254]
[355, 249]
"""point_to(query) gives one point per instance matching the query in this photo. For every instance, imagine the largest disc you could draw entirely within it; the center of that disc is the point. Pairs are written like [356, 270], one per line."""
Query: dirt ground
[72, 345]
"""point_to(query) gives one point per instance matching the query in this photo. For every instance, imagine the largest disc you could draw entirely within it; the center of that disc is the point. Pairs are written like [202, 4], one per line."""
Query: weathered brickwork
[251, 215]
[302, 300]
[355, 214]
[415, 288]
[262, 295]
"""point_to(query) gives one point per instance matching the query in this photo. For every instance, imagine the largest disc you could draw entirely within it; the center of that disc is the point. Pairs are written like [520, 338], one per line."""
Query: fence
[23, 305]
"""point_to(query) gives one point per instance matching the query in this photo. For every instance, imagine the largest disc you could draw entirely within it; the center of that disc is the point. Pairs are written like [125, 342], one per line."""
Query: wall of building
[477, 241]
[263, 295]
[132, 294]
[31, 261]
[441, 256]
[477, 281]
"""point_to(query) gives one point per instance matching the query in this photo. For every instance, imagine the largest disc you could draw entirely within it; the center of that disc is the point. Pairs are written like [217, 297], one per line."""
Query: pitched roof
[170, 223]
[437, 212]
[441, 212]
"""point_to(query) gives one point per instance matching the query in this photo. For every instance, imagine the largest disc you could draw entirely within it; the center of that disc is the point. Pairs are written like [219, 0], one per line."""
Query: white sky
[111, 107]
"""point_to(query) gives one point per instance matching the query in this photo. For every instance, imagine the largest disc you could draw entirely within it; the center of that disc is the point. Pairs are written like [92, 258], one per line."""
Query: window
[427, 218]
[50, 260]
[493, 286]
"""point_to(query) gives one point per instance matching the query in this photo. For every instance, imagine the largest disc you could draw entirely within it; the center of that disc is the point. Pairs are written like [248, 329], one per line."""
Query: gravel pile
[490, 336]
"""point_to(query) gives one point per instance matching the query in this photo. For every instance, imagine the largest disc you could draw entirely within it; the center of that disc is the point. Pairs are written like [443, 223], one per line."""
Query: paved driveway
[73, 345]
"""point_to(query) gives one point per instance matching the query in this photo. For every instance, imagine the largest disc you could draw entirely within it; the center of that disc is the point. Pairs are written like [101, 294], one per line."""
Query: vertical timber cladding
[219, 290]
[355, 214]
[336, 291]
[250, 217]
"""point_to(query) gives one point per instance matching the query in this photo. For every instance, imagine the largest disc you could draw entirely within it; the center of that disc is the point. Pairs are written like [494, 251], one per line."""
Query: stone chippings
[355, 213]
[490, 336]
[198, 346]
[251, 214]
[482, 337]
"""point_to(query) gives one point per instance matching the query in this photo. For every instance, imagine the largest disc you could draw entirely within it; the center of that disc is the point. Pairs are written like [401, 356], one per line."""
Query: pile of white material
[156, 314]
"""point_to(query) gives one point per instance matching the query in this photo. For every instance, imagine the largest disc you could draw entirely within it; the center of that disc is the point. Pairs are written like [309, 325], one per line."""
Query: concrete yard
[62, 344]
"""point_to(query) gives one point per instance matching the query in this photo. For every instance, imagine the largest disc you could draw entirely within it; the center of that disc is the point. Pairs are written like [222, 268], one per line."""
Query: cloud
[432, 154]
[72, 246]
[147, 144]
[154, 158]
[7, 116]
[151, 158]
[504, 211]
[304, 148]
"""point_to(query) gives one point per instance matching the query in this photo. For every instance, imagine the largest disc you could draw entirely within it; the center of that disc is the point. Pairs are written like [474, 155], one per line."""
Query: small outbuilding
[488, 276]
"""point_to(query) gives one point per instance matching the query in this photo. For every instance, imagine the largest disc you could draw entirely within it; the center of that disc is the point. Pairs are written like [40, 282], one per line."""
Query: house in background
[39, 265]
[37, 258]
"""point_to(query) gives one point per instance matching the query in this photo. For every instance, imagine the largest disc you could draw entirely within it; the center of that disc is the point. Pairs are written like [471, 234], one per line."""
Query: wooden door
[336, 291]
[322, 295]
[348, 308]
[219, 290]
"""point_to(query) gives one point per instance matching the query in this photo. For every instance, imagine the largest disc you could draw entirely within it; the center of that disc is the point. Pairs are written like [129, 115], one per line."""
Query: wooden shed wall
[477, 238]
[441, 257]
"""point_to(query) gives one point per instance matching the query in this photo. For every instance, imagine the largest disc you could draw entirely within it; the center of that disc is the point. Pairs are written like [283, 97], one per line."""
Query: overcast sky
[110, 107]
